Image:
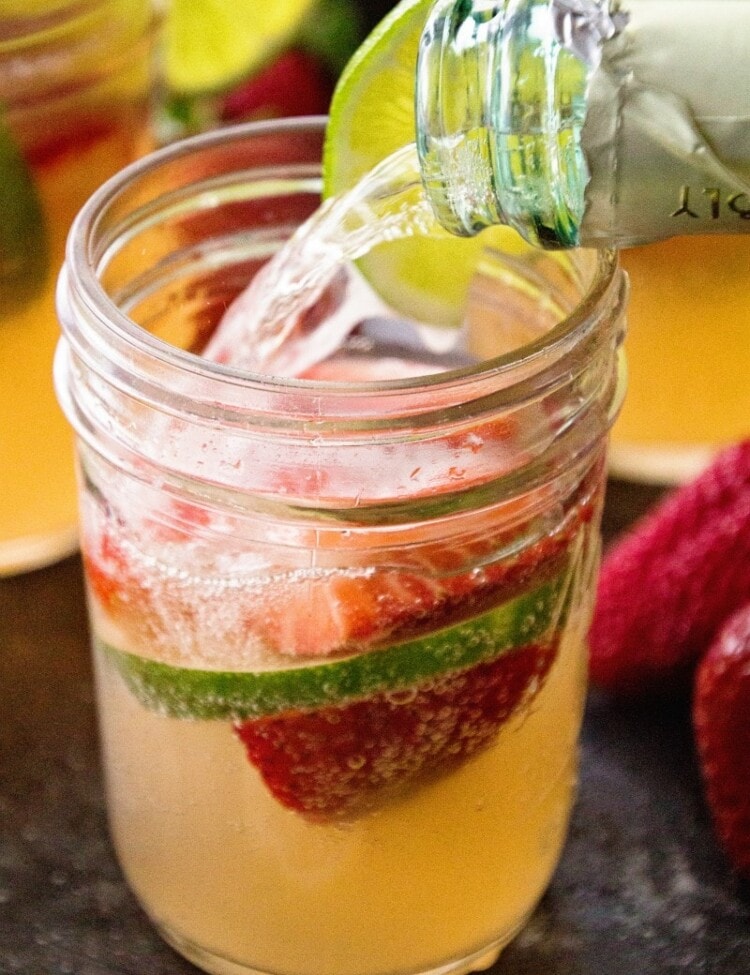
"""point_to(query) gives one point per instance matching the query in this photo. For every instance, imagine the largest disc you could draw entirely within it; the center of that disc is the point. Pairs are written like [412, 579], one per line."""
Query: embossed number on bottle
[712, 205]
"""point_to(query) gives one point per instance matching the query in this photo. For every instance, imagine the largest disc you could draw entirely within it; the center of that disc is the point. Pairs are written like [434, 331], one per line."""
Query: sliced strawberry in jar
[319, 616]
[332, 736]
[335, 760]
[390, 592]
[111, 577]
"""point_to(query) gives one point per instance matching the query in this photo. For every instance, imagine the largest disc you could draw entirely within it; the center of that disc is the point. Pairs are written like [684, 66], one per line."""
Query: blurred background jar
[688, 351]
[75, 84]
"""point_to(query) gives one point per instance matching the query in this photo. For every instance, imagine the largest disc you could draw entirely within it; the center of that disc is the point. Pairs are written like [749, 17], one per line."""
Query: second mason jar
[338, 622]
[75, 86]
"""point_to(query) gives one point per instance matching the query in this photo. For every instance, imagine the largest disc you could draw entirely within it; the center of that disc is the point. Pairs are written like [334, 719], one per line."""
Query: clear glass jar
[339, 626]
[74, 91]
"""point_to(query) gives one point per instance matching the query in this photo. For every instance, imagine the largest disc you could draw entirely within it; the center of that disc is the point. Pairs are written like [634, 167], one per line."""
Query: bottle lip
[501, 102]
[169, 369]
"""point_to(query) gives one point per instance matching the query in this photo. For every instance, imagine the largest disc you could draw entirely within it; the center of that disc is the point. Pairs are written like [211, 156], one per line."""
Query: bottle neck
[586, 122]
[500, 108]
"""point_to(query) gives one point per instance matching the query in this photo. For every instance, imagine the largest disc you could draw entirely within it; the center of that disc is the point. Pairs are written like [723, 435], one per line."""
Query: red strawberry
[665, 590]
[112, 567]
[318, 616]
[294, 84]
[333, 760]
[721, 715]
[110, 576]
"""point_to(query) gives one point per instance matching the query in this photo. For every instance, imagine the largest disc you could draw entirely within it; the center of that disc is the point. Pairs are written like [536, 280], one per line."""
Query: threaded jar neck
[167, 243]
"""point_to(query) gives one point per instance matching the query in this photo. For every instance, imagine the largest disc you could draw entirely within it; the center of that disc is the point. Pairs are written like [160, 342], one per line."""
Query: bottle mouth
[501, 103]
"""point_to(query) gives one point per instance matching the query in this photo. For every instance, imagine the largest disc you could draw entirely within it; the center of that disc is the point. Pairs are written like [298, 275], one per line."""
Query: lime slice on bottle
[371, 116]
[207, 694]
[23, 241]
[210, 44]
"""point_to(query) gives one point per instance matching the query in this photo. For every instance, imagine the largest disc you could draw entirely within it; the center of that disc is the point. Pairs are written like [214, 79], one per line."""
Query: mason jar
[74, 91]
[338, 621]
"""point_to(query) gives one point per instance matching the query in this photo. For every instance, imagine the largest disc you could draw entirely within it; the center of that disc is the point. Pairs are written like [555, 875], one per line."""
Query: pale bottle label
[667, 130]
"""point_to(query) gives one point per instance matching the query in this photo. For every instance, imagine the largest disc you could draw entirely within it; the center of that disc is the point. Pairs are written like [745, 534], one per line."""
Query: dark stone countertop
[641, 888]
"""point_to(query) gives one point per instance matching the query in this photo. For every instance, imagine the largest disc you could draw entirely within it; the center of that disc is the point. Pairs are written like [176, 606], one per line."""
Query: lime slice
[372, 111]
[209, 44]
[371, 116]
[206, 694]
[23, 241]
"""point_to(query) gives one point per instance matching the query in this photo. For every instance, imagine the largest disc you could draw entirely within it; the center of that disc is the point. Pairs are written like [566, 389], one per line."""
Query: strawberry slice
[335, 613]
[111, 577]
[330, 737]
[335, 760]
[721, 716]
[316, 613]
[236, 695]
[402, 672]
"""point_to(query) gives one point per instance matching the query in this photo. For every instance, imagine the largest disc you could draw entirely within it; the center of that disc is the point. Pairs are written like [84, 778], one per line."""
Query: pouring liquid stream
[305, 302]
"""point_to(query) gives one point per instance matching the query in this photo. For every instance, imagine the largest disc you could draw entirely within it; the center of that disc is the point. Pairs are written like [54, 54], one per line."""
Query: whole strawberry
[721, 715]
[293, 84]
[667, 587]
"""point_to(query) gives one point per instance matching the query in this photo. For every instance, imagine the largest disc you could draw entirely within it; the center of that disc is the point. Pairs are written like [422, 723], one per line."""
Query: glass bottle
[622, 124]
[352, 543]
[587, 122]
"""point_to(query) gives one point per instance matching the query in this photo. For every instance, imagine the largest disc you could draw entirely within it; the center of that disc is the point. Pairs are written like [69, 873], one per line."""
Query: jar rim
[604, 290]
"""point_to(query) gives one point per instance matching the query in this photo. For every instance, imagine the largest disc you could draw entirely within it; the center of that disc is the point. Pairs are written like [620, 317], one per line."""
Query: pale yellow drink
[339, 619]
[410, 886]
[688, 351]
[432, 802]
